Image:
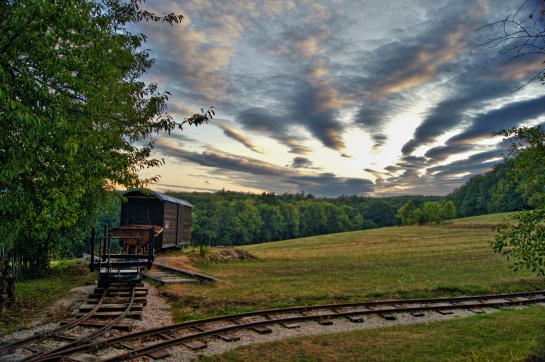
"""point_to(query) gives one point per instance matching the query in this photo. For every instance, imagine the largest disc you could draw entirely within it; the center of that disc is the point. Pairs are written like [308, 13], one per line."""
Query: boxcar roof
[161, 197]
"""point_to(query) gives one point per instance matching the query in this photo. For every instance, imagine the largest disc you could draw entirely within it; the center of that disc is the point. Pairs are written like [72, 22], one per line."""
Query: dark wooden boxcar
[172, 214]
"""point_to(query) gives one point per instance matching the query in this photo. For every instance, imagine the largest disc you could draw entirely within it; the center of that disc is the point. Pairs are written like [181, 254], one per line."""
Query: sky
[340, 97]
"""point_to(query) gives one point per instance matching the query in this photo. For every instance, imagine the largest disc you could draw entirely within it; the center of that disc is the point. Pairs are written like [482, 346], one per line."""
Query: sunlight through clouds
[337, 97]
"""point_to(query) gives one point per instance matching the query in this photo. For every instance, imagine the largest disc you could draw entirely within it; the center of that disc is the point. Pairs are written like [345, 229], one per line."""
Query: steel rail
[299, 309]
[58, 352]
[54, 332]
[176, 341]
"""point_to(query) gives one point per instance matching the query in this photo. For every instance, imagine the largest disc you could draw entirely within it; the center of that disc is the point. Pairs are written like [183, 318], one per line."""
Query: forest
[228, 218]
[491, 192]
[235, 218]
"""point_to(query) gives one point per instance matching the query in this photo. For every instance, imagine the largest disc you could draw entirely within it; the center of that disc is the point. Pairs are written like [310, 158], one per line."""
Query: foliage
[408, 214]
[432, 211]
[528, 152]
[449, 210]
[203, 251]
[489, 193]
[76, 119]
[524, 241]
[230, 218]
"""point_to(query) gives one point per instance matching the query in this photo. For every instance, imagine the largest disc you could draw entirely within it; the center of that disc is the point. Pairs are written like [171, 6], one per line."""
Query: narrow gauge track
[57, 333]
[184, 333]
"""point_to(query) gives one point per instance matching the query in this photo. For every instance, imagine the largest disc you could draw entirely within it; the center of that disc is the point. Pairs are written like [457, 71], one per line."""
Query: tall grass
[33, 297]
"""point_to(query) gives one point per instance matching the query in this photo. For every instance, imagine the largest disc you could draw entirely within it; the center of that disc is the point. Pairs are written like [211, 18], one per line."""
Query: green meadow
[388, 263]
[395, 262]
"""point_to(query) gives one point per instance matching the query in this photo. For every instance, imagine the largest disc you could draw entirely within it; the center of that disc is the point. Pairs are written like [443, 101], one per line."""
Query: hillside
[387, 263]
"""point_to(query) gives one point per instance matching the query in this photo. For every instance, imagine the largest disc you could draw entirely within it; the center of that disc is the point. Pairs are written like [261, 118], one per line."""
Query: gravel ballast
[157, 314]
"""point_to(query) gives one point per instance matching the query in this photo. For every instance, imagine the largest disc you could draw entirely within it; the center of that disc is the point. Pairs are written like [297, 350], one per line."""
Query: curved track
[51, 333]
[56, 334]
[117, 348]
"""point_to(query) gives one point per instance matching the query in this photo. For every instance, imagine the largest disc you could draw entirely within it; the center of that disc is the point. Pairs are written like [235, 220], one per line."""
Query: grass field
[396, 262]
[33, 297]
[510, 335]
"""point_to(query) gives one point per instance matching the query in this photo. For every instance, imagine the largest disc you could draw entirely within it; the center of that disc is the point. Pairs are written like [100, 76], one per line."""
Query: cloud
[305, 74]
[253, 173]
[475, 164]
[237, 136]
[302, 162]
[322, 123]
[260, 120]
[513, 114]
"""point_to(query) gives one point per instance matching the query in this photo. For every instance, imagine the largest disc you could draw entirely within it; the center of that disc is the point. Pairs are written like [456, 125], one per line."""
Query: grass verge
[509, 335]
[33, 297]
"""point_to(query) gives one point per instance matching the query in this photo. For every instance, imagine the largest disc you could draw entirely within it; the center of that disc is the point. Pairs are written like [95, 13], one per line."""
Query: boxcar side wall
[173, 216]
[184, 225]
[169, 224]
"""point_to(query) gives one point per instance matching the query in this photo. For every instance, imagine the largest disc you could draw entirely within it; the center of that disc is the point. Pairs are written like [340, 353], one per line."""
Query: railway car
[173, 215]
[150, 221]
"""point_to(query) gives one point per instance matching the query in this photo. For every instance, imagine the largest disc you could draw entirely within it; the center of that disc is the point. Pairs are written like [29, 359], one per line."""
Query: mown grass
[35, 296]
[509, 335]
[396, 262]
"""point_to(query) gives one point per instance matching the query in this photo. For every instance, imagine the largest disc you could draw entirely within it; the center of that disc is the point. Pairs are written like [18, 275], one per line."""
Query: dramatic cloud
[338, 97]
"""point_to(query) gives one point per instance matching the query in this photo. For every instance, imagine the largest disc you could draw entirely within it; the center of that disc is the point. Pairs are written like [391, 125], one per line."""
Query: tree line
[235, 218]
[489, 193]
[431, 212]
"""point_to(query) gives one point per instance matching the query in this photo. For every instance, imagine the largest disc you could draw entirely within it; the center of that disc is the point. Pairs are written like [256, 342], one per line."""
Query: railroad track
[195, 334]
[114, 304]
[166, 274]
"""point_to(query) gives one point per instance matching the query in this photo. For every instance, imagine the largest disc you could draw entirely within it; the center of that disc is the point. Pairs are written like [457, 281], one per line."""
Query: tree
[312, 217]
[449, 210]
[76, 119]
[433, 211]
[250, 222]
[206, 222]
[520, 34]
[491, 192]
[524, 238]
[408, 214]
[381, 213]
[290, 214]
[273, 222]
